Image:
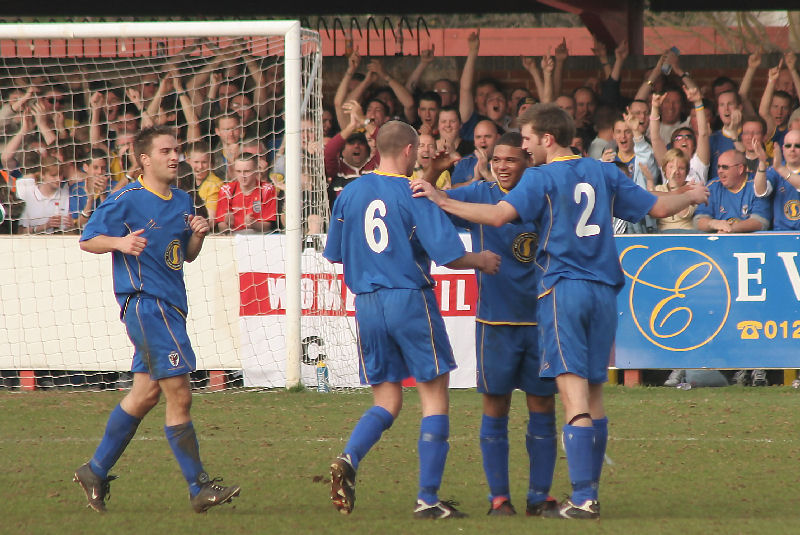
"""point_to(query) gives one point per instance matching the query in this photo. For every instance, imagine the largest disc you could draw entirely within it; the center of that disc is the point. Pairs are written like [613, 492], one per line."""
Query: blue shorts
[158, 333]
[508, 358]
[400, 334]
[577, 324]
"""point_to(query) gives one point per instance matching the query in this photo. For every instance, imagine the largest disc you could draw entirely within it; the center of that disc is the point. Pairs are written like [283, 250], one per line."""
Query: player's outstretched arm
[200, 228]
[671, 203]
[486, 261]
[132, 244]
[486, 214]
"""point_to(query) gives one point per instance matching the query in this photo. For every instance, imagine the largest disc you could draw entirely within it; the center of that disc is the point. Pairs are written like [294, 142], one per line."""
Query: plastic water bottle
[322, 377]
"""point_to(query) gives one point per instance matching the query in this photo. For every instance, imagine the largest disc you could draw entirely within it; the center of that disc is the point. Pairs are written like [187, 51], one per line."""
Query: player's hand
[698, 194]
[421, 188]
[132, 244]
[199, 225]
[489, 262]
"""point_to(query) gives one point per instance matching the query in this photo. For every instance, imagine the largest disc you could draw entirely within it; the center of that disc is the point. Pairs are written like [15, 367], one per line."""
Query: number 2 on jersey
[582, 229]
[373, 222]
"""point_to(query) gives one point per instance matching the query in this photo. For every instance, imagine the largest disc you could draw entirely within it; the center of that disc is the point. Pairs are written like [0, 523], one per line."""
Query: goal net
[242, 98]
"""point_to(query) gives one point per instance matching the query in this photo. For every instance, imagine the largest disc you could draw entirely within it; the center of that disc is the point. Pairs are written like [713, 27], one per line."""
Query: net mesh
[69, 110]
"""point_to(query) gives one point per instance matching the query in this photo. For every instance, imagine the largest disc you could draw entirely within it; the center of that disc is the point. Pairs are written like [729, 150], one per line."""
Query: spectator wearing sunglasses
[732, 202]
[779, 183]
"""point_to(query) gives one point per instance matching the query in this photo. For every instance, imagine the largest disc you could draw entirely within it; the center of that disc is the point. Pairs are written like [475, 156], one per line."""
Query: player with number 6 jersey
[386, 239]
[572, 200]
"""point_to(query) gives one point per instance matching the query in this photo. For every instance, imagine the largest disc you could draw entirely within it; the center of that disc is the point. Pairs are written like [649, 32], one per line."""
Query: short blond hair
[394, 136]
[675, 154]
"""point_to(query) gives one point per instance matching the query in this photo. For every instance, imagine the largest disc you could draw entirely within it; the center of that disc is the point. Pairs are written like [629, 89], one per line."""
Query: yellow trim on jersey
[361, 353]
[741, 188]
[519, 323]
[171, 334]
[558, 337]
[122, 192]
[381, 173]
[483, 373]
[504, 190]
[628, 160]
[146, 353]
[565, 158]
[545, 293]
[430, 329]
[128, 268]
[157, 194]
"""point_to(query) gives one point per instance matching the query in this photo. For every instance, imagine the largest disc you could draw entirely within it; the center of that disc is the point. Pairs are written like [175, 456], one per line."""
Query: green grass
[699, 461]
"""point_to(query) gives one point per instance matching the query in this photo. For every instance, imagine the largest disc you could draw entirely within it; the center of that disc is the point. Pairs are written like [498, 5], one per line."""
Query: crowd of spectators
[66, 135]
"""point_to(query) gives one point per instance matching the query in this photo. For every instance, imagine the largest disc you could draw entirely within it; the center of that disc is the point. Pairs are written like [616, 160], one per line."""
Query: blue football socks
[599, 451]
[433, 447]
[541, 444]
[579, 443]
[366, 433]
[494, 449]
[183, 441]
[120, 429]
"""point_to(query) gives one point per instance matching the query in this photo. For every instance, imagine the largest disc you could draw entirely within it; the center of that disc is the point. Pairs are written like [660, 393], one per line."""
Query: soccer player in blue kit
[507, 339]
[385, 240]
[149, 227]
[571, 200]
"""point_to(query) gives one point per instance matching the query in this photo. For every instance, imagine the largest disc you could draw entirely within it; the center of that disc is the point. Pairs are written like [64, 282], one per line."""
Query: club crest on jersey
[792, 210]
[745, 210]
[524, 246]
[256, 207]
[173, 256]
[174, 358]
[186, 219]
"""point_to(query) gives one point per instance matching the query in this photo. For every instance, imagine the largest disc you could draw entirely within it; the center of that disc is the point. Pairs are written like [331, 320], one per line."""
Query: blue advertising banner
[709, 301]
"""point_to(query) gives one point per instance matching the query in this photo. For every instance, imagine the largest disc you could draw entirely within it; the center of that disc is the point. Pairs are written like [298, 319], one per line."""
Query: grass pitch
[700, 461]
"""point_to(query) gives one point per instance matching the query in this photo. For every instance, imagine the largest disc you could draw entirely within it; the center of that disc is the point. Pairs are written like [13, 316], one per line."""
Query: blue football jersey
[572, 200]
[730, 205]
[785, 202]
[386, 238]
[158, 270]
[463, 170]
[508, 297]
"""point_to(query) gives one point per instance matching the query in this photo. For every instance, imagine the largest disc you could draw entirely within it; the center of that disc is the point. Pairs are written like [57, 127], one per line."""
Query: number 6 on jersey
[373, 223]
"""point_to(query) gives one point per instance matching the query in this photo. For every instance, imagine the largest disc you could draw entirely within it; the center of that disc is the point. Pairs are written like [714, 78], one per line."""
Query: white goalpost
[58, 312]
